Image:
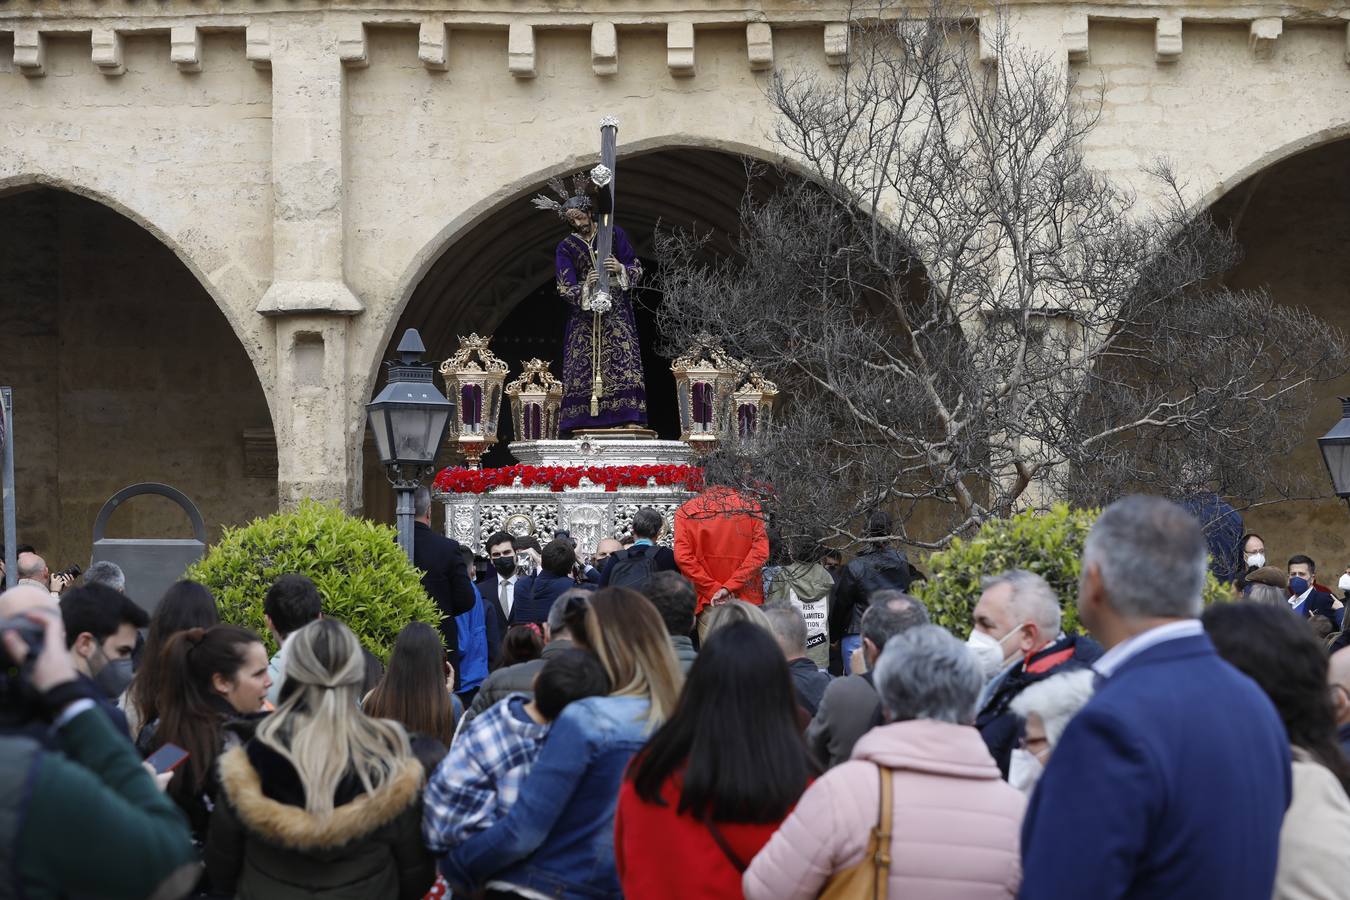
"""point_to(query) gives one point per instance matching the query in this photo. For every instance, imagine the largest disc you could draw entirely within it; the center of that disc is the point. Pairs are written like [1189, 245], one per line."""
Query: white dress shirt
[1117, 656]
[506, 593]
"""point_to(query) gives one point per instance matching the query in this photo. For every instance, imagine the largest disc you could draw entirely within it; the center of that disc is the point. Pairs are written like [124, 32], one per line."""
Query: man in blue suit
[1173, 781]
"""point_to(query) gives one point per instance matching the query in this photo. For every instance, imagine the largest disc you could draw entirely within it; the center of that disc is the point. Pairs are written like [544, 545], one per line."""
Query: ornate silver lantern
[536, 398]
[473, 384]
[752, 403]
[705, 378]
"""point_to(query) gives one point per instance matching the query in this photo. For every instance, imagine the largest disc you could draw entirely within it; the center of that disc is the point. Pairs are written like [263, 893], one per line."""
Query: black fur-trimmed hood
[291, 826]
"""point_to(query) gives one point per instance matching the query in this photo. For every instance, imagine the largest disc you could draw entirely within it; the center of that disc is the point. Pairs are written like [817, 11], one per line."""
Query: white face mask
[1256, 559]
[988, 650]
[1344, 583]
[1024, 769]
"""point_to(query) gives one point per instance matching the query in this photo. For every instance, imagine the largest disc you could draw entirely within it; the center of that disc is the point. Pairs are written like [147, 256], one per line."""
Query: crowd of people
[724, 717]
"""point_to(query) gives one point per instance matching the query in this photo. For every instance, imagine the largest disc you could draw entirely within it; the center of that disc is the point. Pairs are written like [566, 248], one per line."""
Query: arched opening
[1292, 220]
[124, 369]
[498, 276]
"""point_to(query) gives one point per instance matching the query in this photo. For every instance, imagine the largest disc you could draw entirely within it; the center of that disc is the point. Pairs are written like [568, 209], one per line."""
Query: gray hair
[925, 673]
[885, 620]
[106, 573]
[422, 501]
[647, 523]
[556, 625]
[1033, 599]
[1152, 557]
[736, 611]
[1267, 594]
[1056, 700]
[787, 625]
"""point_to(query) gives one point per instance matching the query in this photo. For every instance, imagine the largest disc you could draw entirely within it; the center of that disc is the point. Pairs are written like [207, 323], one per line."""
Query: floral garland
[459, 480]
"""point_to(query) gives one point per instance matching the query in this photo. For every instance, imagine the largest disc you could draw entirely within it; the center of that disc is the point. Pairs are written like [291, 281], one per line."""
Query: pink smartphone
[167, 758]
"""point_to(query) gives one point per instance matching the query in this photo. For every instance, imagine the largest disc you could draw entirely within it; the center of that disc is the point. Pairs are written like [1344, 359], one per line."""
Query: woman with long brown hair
[210, 676]
[413, 691]
[558, 838]
[186, 604]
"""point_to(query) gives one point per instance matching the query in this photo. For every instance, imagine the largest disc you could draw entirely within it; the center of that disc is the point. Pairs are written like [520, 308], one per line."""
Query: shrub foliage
[1047, 543]
[364, 577]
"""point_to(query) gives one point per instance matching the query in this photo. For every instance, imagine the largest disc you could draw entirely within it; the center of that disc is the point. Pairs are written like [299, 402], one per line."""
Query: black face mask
[505, 566]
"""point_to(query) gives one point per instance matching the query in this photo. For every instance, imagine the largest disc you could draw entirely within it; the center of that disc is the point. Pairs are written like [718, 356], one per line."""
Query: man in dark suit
[1307, 597]
[445, 577]
[498, 588]
[637, 563]
[1174, 779]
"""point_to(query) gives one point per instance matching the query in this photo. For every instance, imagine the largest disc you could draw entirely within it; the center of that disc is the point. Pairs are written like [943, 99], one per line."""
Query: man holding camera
[87, 776]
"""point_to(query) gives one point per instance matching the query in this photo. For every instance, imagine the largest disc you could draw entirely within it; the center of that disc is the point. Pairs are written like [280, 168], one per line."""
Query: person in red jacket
[713, 784]
[721, 546]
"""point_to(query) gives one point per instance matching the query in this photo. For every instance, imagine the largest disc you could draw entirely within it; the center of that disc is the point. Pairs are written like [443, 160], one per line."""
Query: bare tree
[964, 318]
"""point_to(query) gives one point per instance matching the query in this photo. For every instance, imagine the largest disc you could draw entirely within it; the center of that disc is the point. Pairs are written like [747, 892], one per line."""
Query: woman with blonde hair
[323, 801]
[558, 838]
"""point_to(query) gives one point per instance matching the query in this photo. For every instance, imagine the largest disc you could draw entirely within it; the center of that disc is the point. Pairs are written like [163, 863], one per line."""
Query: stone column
[309, 298]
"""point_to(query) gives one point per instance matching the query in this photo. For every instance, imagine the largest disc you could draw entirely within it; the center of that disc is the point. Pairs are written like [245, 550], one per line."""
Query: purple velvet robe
[624, 401]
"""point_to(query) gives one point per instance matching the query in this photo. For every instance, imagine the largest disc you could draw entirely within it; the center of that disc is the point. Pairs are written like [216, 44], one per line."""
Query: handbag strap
[723, 845]
[882, 832]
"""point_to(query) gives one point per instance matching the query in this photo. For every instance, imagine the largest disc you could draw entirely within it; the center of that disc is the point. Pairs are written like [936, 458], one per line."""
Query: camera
[31, 632]
[70, 574]
[525, 565]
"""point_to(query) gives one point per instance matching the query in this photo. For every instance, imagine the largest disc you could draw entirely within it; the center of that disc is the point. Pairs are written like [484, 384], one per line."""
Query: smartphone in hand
[167, 758]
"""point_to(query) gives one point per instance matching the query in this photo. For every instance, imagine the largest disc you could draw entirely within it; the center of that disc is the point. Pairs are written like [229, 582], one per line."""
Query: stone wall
[308, 162]
[123, 370]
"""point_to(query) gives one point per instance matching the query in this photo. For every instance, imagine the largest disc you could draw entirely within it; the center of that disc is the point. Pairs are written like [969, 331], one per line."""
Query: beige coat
[1314, 864]
[955, 821]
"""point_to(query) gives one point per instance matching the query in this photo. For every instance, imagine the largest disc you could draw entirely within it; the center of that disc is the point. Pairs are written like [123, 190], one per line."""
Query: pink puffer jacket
[955, 822]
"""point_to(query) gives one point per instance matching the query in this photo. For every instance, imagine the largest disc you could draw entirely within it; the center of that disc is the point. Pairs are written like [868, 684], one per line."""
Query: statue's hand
[614, 266]
[592, 278]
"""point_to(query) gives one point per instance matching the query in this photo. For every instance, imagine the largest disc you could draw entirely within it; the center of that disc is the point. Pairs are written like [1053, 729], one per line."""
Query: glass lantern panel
[703, 404]
[746, 414]
[416, 432]
[494, 408]
[471, 407]
[379, 427]
[1337, 456]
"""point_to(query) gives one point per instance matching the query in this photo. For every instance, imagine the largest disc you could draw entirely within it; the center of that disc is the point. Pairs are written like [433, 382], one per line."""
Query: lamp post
[409, 419]
[1335, 447]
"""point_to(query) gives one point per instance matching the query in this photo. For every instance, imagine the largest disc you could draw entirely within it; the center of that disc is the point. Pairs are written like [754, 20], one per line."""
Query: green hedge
[1049, 544]
[366, 580]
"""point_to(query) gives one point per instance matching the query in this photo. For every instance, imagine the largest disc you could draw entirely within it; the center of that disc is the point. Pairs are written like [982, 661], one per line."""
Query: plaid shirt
[479, 779]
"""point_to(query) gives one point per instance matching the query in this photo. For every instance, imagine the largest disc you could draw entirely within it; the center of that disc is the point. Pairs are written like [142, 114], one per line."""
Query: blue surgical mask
[1297, 586]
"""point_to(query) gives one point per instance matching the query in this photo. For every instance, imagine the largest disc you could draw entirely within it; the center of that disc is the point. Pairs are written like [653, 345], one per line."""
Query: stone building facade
[215, 215]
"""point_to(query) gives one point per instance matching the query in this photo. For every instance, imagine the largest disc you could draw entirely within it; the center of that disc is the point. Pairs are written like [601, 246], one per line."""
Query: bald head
[20, 599]
[605, 549]
[1338, 678]
[30, 565]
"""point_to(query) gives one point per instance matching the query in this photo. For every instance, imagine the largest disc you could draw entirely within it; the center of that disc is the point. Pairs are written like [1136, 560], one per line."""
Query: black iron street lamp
[409, 419]
[1335, 447]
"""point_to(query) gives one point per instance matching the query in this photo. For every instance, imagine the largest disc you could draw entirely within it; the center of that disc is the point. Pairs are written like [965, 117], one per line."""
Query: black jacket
[884, 568]
[494, 617]
[1000, 728]
[535, 595]
[810, 683]
[264, 844]
[446, 579]
[664, 561]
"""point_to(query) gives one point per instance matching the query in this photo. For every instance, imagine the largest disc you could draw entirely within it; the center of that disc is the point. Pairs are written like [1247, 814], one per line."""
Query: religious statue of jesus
[602, 360]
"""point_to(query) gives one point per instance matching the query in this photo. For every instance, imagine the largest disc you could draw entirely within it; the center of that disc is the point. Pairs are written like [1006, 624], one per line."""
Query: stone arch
[1245, 170]
[257, 354]
[512, 198]
[123, 372]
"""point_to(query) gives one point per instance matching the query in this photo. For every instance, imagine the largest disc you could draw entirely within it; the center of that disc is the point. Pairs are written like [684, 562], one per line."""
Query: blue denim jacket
[558, 839]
